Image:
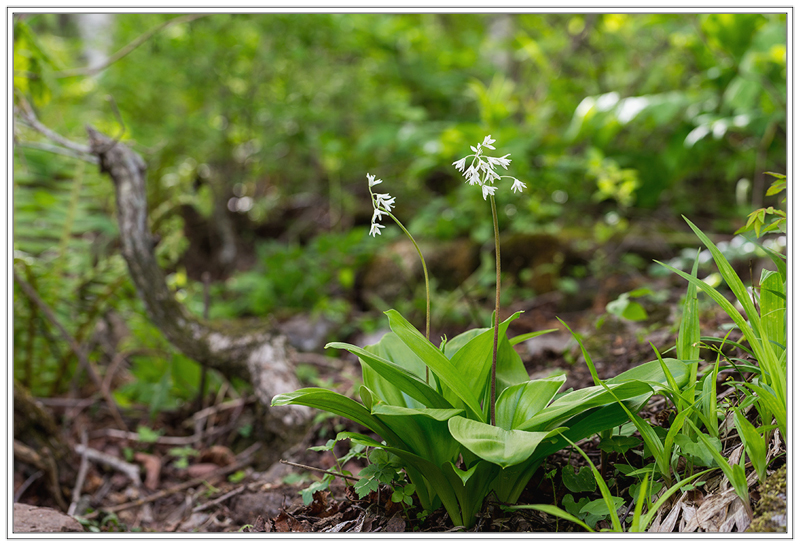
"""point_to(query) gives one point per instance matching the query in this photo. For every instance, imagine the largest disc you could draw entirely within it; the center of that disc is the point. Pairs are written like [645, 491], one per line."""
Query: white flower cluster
[382, 203]
[481, 169]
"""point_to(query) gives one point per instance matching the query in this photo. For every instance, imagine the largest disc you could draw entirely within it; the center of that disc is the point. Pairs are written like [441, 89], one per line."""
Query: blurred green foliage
[269, 123]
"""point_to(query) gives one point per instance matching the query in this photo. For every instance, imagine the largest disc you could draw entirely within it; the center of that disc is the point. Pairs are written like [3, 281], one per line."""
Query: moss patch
[770, 513]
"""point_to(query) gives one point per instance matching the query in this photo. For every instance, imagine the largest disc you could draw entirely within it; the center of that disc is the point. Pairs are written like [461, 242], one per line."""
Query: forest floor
[199, 474]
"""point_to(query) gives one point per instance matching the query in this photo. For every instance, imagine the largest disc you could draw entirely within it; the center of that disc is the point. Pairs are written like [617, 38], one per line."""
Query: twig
[53, 149]
[130, 470]
[314, 469]
[203, 414]
[25, 113]
[91, 70]
[245, 455]
[218, 500]
[24, 487]
[166, 440]
[84, 468]
[45, 463]
[76, 348]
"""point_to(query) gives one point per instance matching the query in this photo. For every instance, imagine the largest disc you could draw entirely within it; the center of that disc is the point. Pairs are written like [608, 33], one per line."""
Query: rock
[307, 333]
[33, 519]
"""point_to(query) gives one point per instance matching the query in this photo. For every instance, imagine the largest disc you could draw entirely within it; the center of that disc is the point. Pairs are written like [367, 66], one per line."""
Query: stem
[496, 308]
[427, 285]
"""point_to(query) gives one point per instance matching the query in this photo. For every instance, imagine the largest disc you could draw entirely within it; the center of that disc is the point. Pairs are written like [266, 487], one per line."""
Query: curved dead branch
[245, 350]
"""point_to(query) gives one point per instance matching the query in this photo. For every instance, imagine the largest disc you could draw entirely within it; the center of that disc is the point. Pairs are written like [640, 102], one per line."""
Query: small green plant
[464, 418]
[182, 455]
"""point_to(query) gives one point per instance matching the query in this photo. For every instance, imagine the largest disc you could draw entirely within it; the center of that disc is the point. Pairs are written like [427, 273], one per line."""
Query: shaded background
[258, 131]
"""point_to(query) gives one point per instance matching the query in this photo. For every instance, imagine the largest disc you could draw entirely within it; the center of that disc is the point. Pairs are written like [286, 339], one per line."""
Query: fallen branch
[218, 500]
[84, 468]
[314, 469]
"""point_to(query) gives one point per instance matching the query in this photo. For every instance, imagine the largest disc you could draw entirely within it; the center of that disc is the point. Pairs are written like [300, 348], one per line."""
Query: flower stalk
[382, 203]
[481, 171]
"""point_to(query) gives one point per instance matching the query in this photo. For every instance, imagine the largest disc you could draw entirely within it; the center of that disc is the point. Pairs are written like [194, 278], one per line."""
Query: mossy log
[247, 350]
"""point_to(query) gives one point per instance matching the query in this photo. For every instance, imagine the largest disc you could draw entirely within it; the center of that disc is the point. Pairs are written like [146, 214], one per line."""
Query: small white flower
[476, 150]
[376, 229]
[377, 215]
[488, 141]
[518, 185]
[472, 175]
[488, 190]
[502, 161]
[384, 200]
[372, 181]
[460, 164]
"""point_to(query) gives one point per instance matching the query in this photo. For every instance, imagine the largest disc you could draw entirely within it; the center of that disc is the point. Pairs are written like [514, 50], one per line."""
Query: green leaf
[521, 402]
[436, 361]
[392, 349]
[403, 379]
[553, 511]
[424, 431]
[618, 444]
[583, 481]
[754, 444]
[494, 444]
[773, 307]
[525, 337]
[699, 450]
[599, 507]
[341, 405]
[147, 435]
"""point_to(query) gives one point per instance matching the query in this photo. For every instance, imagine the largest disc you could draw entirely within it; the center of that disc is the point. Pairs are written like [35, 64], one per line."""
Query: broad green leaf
[436, 361]
[423, 430]
[404, 380]
[474, 360]
[391, 349]
[581, 400]
[698, 449]
[579, 482]
[499, 446]
[518, 403]
[618, 444]
[326, 400]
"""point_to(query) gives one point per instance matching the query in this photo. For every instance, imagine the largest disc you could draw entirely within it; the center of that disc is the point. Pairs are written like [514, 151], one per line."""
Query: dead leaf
[396, 524]
[713, 511]
[219, 455]
[152, 468]
[200, 469]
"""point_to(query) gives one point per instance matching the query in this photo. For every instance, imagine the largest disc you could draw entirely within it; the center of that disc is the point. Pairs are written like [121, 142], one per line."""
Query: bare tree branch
[91, 70]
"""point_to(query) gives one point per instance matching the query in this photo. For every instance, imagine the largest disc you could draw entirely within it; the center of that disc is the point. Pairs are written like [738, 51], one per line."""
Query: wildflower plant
[482, 172]
[464, 418]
